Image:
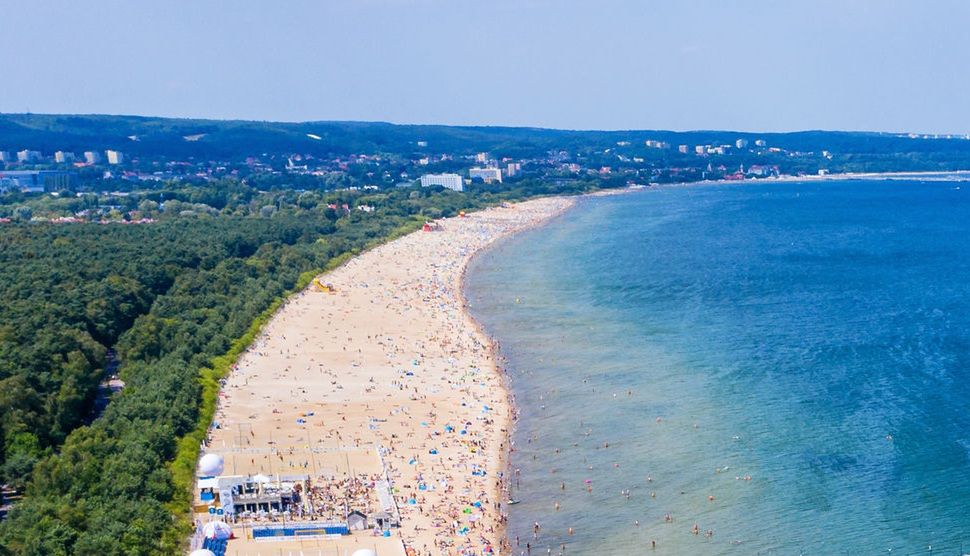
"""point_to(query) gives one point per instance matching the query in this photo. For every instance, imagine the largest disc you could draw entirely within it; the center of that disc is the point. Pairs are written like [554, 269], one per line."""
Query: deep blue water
[671, 342]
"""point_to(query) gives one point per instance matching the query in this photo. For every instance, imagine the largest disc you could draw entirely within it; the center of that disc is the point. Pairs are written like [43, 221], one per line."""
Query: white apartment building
[449, 181]
[513, 169]
[488, 175]
[115, 157]
[62, 157]
[28, 156]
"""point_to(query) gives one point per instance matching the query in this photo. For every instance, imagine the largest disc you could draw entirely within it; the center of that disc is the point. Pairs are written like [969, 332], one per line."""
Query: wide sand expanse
[388, 375]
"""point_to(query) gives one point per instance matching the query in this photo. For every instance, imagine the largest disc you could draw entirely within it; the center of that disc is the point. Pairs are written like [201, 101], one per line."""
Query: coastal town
[33, 171]
[93, 182]
[103, 181]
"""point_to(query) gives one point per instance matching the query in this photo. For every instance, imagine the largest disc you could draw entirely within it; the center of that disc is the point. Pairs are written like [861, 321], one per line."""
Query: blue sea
[785, 365]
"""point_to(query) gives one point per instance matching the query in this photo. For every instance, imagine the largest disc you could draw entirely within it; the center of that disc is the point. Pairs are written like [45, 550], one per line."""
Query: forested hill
[234, 139]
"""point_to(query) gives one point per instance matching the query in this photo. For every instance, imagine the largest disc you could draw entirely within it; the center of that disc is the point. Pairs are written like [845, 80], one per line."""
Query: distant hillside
[228, 139]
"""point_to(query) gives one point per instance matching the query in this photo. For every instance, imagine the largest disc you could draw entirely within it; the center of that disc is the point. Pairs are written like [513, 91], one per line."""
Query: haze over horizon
[764, 66]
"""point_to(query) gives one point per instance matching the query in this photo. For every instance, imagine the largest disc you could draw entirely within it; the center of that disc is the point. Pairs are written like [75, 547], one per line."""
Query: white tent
[261, 479]
[218, 530]
[211, 465]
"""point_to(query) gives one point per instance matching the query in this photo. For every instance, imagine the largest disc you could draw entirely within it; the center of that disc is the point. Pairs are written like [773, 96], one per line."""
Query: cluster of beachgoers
[375, 371]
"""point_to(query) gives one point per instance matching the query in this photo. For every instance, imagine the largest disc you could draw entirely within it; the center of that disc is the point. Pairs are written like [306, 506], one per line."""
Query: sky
[873, 65]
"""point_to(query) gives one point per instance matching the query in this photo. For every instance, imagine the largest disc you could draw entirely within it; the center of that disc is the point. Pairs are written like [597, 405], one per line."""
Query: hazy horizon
[617, 65]
[487, 125]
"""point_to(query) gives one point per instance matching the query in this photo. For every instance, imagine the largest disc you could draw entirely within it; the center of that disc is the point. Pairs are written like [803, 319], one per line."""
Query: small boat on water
[513, 501]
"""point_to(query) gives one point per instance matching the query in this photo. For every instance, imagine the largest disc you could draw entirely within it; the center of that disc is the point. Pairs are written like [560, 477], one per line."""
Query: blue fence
[300, 530]
[218, 547]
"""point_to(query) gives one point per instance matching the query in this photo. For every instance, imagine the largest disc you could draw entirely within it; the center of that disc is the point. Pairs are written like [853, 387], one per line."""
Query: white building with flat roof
[28, 156]
[92, 157]
[115, 157]
[63, 157]
[487, 175]
[513, 169]
[449, 181]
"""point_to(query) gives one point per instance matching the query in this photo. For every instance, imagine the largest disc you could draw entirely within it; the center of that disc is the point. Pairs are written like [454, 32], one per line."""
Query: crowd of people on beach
[388, 362]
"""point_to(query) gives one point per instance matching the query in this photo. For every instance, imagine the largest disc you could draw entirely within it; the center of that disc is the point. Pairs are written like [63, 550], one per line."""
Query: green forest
[177, 300]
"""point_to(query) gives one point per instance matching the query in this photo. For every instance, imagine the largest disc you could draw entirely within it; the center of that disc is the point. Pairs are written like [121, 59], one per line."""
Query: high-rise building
[115, 157]
[92, 157]
[741, 143]
[28, 156]
[683, 149]
[449, 181]
[513, 169]
[488, 175]
[5, 156]
[62, 157]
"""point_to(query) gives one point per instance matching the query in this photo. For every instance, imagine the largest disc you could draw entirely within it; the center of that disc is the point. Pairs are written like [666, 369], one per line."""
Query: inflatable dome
[217, 530]
[202, 552]
[364, 552]
[211, 465]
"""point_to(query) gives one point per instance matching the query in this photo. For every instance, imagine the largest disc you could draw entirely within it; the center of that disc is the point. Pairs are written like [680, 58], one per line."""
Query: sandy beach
[386, 378]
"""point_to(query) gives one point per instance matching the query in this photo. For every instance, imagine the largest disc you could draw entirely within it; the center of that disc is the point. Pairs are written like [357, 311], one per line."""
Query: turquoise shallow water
[671, 342]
